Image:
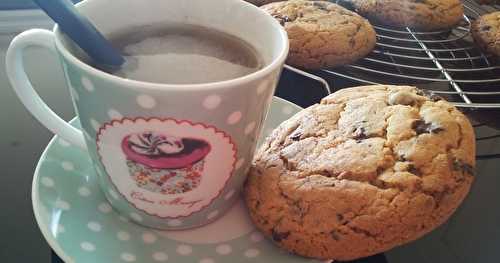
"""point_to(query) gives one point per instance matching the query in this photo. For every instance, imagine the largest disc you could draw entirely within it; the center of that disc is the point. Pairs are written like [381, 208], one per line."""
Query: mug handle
[25, 91]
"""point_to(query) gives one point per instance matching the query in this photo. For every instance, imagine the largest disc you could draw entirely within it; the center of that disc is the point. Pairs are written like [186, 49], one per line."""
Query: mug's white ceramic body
[167, 156]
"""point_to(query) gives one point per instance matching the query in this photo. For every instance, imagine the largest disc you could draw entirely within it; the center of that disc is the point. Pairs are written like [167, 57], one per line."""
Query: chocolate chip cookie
[367, 169]
[418, 14]
[322, 34]
[486, 32]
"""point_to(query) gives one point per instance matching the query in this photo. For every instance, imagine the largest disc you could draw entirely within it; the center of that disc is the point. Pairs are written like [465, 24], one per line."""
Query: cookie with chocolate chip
[322, 34]
[418, 14]
[486, 32]
[367, 169]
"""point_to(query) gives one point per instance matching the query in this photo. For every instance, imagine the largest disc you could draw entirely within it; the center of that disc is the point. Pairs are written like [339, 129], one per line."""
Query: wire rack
[448, 63]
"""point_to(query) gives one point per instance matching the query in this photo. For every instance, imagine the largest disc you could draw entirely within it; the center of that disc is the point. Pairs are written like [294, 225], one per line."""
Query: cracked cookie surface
[486, 32]
[418, 14]
[322, 34]
[367, 169]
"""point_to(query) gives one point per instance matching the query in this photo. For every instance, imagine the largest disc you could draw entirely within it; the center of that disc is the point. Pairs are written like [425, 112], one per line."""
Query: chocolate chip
[340, 217]
[380, 170]
[296, 136]
[279, 236]
[459, 165]
[359, 133]
[281, 18]
[469, 169]
[414, 170]
[334, 235]
[402, 158]
[420, 127]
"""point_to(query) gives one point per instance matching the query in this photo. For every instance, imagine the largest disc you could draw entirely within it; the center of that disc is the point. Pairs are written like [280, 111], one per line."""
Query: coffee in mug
[183, 54]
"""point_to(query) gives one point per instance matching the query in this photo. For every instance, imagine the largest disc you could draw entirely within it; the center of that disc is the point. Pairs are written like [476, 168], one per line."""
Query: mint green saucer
[81, 226]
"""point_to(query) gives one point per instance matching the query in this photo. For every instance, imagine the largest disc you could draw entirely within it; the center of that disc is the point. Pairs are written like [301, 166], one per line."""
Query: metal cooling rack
[447, 63]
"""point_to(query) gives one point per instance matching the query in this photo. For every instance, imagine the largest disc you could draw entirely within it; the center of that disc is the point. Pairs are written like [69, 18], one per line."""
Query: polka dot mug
[163, 153]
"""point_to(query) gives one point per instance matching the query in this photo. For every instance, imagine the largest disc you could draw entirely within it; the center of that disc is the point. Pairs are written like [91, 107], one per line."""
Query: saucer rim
[36, 206]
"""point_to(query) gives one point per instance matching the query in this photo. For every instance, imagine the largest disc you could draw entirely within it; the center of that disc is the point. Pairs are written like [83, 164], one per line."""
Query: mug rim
[266, 70]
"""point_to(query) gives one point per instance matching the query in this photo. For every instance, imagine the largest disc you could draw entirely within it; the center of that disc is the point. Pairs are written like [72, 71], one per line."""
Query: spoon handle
[82, 32]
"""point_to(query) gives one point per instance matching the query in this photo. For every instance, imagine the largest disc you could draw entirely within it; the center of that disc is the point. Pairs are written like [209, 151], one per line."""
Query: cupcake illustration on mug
[166, 167]
[165, 164]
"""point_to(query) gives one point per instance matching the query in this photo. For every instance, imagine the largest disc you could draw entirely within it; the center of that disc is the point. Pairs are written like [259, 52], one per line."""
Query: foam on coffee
[184, 54]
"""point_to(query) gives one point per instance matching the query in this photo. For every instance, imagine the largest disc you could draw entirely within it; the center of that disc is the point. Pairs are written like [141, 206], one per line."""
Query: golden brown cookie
[367, 169]
[418, 14]
[322, 34]
[486, 32]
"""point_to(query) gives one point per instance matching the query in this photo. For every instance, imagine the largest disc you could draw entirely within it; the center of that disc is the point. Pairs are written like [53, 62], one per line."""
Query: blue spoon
[82, 32]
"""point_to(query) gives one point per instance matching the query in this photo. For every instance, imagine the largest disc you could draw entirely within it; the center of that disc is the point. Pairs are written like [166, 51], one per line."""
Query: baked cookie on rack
[367, 169]
[486, 32]
[426, 15]
[322, 34]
